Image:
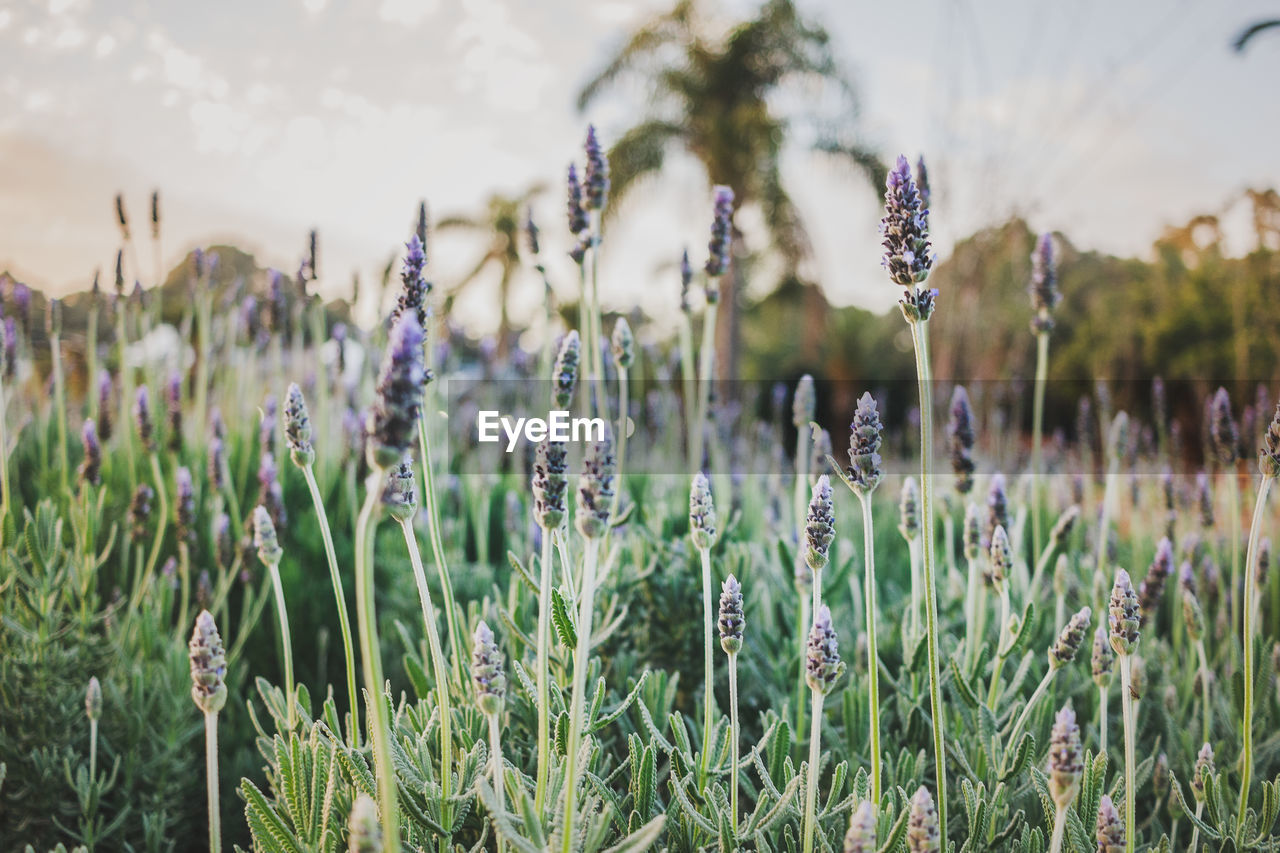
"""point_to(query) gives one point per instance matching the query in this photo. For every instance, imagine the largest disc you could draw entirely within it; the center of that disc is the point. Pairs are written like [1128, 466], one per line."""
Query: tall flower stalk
[623, 346]
[270, 552]
[703, 531]
[491, 689]
[400, 499]
[53, 324]
[1044, 298]
[862, 476]
[731, 623]
[1269, 465]
[716, 266]
[1224, 439]
[550, 483]
[297, 434]
[823, 669]
[1125, 619]
[1065, 768]
[209, 691]
[1061, 653]
[390, 426]
[595, 494]
[1102, 668]
[908, 258]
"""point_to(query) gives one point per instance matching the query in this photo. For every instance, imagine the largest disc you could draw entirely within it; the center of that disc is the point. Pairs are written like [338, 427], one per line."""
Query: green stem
[920, 331]
[499, 790]
[706, 362]
[733, 743]
[811, 784]
[1103, 696]
[60, 410]
[913, 558]
[1001, 652]
[580, 661]
[708, 678]
[93, 749]
[802, 629]
[1037, 429]
[437, 544]
[340, 597]
[285, 642]
[1233, 530]
[873, 660]
[689, 387]
[126, 392]
[184, 573]
[1204, 690]
[211, 779]
[601, 400]
[1059, 829]
[439, 671]
[163, 520]
[623, 406]
[543, 677]
[1031, 703]
[1246, 747]
[1130, 749]
[367, 628]
[91, 359]
[1195, 829]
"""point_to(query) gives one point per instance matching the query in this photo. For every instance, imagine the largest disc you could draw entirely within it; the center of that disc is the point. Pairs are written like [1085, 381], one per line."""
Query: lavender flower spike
[861, 837]
[142, 418]
[595, 488]
[564, 376]
[577, 213]
[1044, 284]
[91, 467]
[823, 666]
[208, 665]
[864, 471]
[1269, 454]
[721, 235]
[413, 285]
[820, 527]
[395, 409]
[731, 620]
[923, 832]
[173, 413]
[184, 509]
[904, 231]
[960, 440]
[597, 173]
[486, 671]
[297, 427]
[1065, 764]
[1222, 429]
[1124, 615]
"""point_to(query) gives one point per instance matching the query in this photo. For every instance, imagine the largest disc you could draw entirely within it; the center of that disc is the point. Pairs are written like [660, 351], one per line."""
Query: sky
[260, 119]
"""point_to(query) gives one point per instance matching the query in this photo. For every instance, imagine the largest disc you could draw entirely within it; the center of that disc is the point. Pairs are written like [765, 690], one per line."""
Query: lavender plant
[908, 259]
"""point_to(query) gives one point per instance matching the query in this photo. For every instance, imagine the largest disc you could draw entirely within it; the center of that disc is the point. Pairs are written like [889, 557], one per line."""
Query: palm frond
[863, 159]
[1242, 40]
[668, 28]
[641, 151]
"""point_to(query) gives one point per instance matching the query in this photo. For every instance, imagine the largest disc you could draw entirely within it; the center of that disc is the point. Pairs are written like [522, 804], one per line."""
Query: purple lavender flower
[1222, 430]
[224, 542]
[140, 511]
[104, 405]
[121, 217]
[597, 172]
[1044, 284]
[184, 507]
[564, 377]
[173, 398]
[595, 488]
[10, 353]
[905, 236]
[997, 509]
[1269, 455]
[721, 236]
[686, 278]
[823, 666]
[217, 458]
[22, 302]
[267, 425]
[119, 274]
[1152, 586]
[922, 183]
[414, 287]
[960, 439]
[297, 427]
[270, 492]
[864, 471]
[550, 483]
[396, 407]
[577, 214]
[91, 467]
[142, 419]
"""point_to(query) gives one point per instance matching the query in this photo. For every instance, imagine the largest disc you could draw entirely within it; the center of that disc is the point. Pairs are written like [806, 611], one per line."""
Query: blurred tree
[716, 98]
[501, 226]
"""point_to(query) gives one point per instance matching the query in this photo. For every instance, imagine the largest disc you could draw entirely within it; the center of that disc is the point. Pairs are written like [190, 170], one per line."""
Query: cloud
[184, 70]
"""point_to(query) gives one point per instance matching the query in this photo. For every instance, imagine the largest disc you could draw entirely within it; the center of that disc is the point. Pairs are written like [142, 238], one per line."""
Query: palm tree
[502, 223]
[714, 97]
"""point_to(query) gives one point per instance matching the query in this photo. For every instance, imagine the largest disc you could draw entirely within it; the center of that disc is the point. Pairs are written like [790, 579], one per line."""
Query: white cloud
[105, 46]
[5, 17]
[499, 58]
[186, 71]
[314, 7]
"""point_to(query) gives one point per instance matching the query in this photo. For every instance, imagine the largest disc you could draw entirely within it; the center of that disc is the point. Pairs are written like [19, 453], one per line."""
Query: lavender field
[289, 563]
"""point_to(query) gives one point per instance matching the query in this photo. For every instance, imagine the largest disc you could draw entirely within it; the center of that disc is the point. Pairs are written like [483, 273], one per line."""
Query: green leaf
[643, 839]
[563, 621]
[265, 825]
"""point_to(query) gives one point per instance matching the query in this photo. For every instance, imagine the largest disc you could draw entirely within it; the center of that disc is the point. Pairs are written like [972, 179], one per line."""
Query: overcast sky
[258, 120]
